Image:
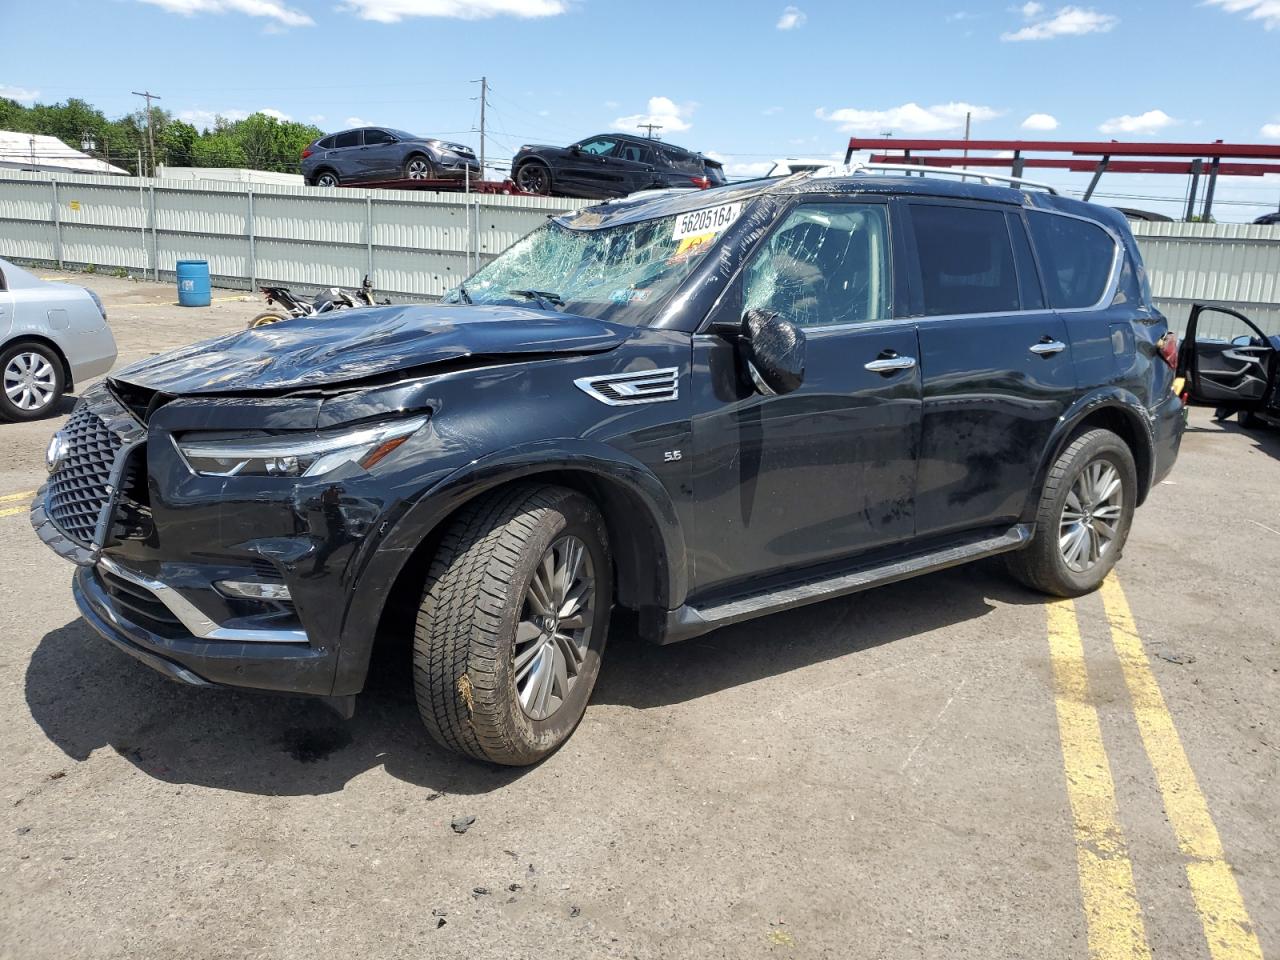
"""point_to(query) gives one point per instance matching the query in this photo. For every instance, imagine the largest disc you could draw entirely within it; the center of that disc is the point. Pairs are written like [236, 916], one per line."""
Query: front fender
[649, 542]
[1105, 402]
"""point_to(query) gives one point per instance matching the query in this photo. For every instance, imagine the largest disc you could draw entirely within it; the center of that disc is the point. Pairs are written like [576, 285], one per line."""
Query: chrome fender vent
[622, 389]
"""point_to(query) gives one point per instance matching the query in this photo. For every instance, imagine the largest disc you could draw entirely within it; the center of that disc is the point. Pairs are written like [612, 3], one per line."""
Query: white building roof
[34, 151]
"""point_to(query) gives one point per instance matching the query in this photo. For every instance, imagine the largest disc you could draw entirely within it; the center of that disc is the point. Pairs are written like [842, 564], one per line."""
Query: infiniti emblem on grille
[57, 452]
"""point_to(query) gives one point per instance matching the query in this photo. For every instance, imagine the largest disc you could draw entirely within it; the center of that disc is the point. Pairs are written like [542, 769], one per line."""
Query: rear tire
[1080, 536]
[327, 178]
[481, 641]
[32, 381]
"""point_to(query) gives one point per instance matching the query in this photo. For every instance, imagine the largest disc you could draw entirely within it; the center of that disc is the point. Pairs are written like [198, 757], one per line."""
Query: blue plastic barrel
[193, 283]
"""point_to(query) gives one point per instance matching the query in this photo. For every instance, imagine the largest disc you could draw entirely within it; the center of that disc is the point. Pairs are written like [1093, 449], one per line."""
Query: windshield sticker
[711, 220]
[629, 296]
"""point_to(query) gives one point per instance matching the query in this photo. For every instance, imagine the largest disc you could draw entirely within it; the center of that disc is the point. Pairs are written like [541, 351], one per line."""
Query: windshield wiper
[545, 299]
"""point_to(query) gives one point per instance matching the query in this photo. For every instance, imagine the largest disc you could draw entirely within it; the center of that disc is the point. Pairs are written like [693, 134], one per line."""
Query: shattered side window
[616, 273]
[827, 264]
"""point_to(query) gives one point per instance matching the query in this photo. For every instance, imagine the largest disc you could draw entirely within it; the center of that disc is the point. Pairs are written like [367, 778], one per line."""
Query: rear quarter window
[1076, 259]
[325, 144]
[349, 139]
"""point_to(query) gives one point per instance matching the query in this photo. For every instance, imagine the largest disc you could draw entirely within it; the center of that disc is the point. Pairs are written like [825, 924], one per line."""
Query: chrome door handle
[1047, 348]
[889, 364]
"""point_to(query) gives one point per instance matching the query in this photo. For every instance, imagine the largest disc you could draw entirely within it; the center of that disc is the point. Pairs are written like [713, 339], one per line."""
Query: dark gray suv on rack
[667, 414]
[381, 153]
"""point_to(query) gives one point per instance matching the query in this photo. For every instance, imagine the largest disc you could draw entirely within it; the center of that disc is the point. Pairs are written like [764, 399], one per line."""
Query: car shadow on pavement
[86, 695]
[642, 675]
[1265, 438]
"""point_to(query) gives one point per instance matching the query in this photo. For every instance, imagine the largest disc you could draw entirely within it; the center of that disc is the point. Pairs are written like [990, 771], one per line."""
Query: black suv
[684, 411]
[612, 165]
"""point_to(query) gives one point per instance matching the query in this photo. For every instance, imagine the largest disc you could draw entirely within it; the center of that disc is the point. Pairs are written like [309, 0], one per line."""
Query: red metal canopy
[1196, 158]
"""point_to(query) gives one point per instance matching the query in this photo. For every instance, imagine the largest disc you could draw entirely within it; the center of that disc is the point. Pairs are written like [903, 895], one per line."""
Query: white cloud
[741, 168]
[316, 118]
[393, 11]
[770, 111]
[1040, 121]
[1271, 130]
[908, 118]
[1153, 121]
[357, 122]
[791, 18]
[205, 119]
[611, 104]
[286, 16]
[663, 112]
[1067, 22]
[1268, 11]
[21, 94]
[272, 112]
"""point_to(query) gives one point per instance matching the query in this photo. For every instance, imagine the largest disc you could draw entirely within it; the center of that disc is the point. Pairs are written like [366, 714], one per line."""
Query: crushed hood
[364, 344]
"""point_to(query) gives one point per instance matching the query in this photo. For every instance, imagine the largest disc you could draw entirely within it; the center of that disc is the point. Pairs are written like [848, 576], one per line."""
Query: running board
[687, 621]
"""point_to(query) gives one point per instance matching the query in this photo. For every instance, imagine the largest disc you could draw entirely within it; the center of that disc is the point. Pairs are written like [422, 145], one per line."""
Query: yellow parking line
[14, 511]
[1223, 916]
[1112, 912]
[24, 495]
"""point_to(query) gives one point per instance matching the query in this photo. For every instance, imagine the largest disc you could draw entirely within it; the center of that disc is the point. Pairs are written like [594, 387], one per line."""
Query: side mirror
[772, 348]
[575, 149]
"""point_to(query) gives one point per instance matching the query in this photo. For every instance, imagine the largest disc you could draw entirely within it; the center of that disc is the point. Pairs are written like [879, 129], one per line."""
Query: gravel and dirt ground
[949, 767]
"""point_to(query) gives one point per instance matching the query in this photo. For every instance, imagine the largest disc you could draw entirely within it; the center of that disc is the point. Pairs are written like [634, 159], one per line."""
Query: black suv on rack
[612, 165]
[696, 408]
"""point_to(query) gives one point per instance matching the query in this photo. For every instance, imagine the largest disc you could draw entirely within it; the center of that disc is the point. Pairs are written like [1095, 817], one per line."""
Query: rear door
[1227, 360]
[345, 155]
[996, 364]
[634, 164]
[827, 471]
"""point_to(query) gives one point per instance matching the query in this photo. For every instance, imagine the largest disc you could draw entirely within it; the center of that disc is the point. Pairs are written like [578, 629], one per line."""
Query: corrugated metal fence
[411, 244]
[421, 244]
[1234, 264]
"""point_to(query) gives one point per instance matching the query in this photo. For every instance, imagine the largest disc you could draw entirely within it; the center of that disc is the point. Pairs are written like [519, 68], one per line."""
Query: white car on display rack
[53, 336]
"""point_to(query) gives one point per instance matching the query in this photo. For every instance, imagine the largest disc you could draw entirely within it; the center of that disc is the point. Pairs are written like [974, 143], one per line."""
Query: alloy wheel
[533, 179]
[418, 169]
[554, 631]
[326, 180]
[29, 381]
[1091, 515]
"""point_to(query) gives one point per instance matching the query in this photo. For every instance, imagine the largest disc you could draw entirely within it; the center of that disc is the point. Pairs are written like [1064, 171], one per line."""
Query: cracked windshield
[615, 273]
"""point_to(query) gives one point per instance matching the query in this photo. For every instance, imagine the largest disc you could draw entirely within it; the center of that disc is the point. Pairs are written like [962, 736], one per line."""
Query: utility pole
[968, 117]
[649, 128]
[151, 141]
[484, 97]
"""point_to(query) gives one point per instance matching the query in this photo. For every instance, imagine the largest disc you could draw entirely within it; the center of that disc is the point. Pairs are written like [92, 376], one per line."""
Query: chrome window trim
[200, 626]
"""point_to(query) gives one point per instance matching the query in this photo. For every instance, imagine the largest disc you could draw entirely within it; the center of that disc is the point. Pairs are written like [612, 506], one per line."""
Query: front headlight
[293, 456]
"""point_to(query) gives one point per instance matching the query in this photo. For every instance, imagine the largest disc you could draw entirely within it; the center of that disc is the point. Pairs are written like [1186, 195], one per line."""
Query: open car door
[1228, 362]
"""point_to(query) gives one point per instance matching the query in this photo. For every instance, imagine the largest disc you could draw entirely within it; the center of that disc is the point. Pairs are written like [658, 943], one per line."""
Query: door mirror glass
[774, 351]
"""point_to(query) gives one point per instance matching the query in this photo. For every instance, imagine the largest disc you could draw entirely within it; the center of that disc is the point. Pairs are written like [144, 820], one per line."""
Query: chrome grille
[81, 487]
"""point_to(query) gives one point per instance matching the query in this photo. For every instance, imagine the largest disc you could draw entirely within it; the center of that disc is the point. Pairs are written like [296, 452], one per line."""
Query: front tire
[1083, 519]
[513, 623]
[32, 381]
[419, 167]
[534, 177]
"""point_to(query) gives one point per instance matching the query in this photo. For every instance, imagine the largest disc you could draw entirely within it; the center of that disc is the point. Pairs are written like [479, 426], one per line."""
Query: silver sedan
[52, 337]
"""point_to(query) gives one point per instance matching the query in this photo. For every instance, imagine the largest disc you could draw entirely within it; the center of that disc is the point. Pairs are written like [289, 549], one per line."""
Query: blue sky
[748, 80]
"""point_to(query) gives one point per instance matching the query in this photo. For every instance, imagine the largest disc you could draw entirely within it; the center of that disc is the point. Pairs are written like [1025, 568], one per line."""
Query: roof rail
[851, 169]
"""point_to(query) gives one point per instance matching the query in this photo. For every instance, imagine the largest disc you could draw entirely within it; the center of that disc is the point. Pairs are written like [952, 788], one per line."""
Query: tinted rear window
[1076, 258]
[966, 260]
[375, 137]
[325, 144]
[349, 139]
